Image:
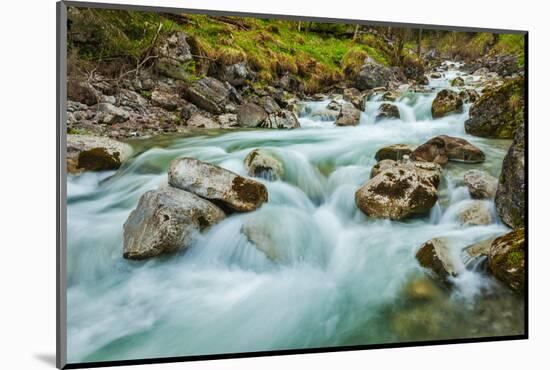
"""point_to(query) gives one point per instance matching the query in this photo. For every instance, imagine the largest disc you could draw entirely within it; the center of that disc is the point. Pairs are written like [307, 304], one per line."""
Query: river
[341, 278]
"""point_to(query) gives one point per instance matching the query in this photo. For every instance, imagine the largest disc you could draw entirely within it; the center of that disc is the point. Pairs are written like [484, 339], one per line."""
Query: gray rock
[475, 213]
[216, 184]
[110, 114]
[250, 115]
[510, 196]
[164, 100]
[94, 153]
[237, 74]
[480, 184]
[262, 163]
[209, 94]
[348, 116]
[373, 75]
[166, 220]
[202, 121]
[283, 119]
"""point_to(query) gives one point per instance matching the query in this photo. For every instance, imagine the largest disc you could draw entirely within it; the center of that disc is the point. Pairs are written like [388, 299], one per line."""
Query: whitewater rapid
[339, 277]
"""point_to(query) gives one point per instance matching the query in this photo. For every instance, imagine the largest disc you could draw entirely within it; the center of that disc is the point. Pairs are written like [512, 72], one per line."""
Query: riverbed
[341, 278]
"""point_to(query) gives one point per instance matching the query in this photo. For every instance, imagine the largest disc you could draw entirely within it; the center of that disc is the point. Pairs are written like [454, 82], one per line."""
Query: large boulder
[250, 115]
[348, 116]
[442, 149]
[507, 259]
[216, 184]
[394, 151]
[510, 196]
[446, 102]
[95, 153]
[475, 213]
[211, 95]
[262, 163]
[373, 75]
[469, 95]
[283, 119]
[166, 220]
[436, 255]
[400, 191]
[499, 112]
[165, 99]
[387, 111]
[480, 184]
[355, 97]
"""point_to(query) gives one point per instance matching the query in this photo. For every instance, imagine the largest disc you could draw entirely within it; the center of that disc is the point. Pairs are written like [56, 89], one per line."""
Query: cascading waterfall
[332, 276]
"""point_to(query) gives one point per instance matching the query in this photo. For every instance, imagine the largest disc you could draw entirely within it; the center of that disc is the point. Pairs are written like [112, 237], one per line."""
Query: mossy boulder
[510, 195]
[507, 259]
[387, 111]
[457, 81]
[94, 153]
[216, 184]
[499, 111]
[400, 191]
[446, 102]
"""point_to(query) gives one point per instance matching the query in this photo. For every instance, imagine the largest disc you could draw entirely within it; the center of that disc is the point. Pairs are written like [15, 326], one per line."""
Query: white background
[27, 170]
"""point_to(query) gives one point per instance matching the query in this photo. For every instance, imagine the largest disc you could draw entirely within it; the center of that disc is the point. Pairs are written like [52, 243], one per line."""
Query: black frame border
[61, 199]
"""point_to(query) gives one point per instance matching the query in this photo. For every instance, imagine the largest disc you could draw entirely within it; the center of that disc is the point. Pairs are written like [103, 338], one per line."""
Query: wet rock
[510, 195]
[394, 151]
[262, 163]
[457, 81]
[475, 213]
[355, 97]
[390, 96]
[436, 255]
[373, 75]
[109, 114]
[325, 115]
[166, 220]
[382, 165]
[95, 153]
[474, 252]
[210, 94]
[480, 184]
[283, 119]
[443, 148]
[446, 102]
[250, 115]
[498, 112]
[202, 121]
[348, 116]
[507, 259]
[469, 95]
[435, 75]
[387, 111]
[165, 100]
[399, 192]
[422, 289]
[216, 184]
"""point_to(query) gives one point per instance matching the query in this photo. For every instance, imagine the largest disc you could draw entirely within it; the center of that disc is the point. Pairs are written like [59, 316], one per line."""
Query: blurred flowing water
[340, 277]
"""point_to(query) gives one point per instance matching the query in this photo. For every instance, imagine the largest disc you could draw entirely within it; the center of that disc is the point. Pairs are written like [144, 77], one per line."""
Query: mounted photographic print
[235, 185]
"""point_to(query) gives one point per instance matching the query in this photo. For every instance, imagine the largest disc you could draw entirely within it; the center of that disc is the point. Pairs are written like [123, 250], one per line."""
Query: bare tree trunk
[419, 43]
[299, 26]
[356, 32]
